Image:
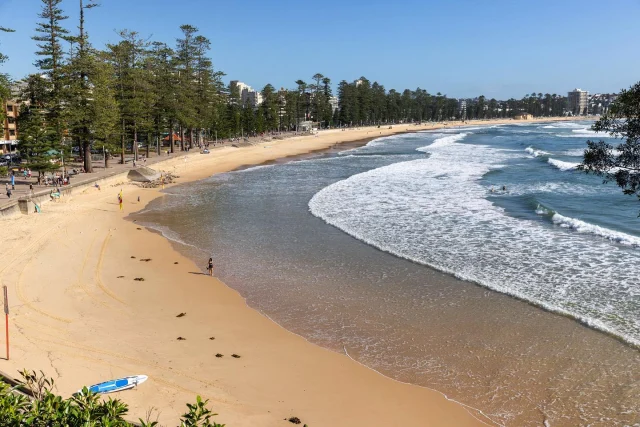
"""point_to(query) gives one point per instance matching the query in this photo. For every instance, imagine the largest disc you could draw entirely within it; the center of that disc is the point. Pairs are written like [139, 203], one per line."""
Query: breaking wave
[536, 153]
[563, 166]
[436, 212]
[596, 230]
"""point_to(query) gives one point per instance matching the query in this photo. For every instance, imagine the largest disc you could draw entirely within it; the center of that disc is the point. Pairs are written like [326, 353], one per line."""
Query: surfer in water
[210, 267]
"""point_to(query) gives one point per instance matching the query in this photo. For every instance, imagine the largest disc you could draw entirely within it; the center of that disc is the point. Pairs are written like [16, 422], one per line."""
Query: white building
[247, 94]
[578, 102]
[333, 101]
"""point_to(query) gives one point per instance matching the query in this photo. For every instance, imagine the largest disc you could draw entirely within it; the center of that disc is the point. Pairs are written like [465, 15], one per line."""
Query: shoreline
[53, 318]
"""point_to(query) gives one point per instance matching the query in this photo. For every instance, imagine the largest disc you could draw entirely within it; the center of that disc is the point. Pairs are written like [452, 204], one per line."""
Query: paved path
[22, 183]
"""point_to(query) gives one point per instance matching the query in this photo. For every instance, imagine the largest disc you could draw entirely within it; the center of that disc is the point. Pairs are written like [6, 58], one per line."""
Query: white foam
[554, 187]
[444, 141]
[585, 227]
[586, 131]
[536, 153]
[541, 210]
[565, 125]
[582, 136]
[563, 166]
[435, 211]
[576, 152]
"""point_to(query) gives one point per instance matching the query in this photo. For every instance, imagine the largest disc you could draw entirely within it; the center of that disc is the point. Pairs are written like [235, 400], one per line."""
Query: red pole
[6, 322]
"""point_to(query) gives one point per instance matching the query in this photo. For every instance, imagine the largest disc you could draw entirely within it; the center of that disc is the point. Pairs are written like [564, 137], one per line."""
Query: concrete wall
[26, 205]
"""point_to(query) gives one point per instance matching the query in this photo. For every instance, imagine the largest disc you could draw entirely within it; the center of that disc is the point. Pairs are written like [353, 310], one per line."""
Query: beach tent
[176, 138]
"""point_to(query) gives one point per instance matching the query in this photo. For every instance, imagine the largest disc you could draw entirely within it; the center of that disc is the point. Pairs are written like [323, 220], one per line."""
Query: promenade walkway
[115, 167]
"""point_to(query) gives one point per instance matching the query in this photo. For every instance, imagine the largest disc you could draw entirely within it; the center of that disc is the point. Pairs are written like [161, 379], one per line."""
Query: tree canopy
[137, 93]
[619, 162]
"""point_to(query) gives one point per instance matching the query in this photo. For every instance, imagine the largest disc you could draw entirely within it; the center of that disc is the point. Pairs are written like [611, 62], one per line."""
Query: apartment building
[578, 101]
[248, 95]
[9, 139]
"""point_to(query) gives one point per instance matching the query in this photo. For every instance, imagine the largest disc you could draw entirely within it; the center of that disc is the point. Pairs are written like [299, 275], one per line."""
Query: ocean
[476, 261]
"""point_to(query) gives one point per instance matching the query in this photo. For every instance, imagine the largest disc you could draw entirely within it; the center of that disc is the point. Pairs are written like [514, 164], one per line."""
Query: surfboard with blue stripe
[119, 384]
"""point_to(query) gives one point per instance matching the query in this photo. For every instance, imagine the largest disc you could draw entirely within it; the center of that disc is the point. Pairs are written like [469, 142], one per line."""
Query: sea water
[360, 251]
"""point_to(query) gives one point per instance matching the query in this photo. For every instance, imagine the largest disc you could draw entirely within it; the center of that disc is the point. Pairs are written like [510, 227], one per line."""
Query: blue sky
[462, 48]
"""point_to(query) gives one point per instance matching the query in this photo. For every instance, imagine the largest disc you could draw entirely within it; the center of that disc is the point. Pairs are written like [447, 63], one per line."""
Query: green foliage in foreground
[85, 409]
[621, 162]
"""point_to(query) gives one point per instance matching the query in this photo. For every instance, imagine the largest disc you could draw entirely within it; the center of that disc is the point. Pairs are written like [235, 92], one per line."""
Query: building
[462, 108]
[578, 101]
[599, 103]
[523, 116]
[333, 101]
[9, 139]
[246, 93]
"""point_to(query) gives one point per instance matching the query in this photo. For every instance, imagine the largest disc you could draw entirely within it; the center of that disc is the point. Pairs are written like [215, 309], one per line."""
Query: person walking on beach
[120, 199]
[210, 267]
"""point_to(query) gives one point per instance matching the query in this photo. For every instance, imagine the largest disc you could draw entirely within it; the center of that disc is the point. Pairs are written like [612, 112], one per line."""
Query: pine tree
[51, 62]
[268, 111]
[82, 73]
[133, 83]
[186, 54]
[39, 143]
[164, 87]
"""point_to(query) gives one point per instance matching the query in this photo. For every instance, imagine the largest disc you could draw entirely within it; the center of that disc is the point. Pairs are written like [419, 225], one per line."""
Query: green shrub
[4, 171]
[42, 408]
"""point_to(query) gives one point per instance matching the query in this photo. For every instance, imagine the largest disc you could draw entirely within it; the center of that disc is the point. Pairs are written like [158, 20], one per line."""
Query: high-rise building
[247, 94]
[462, 108]
[11, 107]
[578, 102]
[333, 101]
[10, 129]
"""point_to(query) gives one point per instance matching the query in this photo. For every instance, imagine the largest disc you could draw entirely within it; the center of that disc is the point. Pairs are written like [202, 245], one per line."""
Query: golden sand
[79, 315]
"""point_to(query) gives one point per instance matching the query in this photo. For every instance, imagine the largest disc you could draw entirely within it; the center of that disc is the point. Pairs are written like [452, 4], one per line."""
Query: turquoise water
[358, 251]
[503, 207]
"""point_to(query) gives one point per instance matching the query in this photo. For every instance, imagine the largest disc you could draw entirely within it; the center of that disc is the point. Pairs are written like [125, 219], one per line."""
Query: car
[13, 159]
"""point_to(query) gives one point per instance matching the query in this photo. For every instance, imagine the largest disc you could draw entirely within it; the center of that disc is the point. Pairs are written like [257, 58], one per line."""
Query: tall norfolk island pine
[133, 87]
[43, 146]
[92, 108]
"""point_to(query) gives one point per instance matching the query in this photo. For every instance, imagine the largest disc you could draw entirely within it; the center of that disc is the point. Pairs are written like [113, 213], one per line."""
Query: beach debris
[139, 279]
[145, 259]
[219, 355]
[294, 420]
[176, 262]
[166, 178]
[236, 356]
[132, 257]
[138, 228]
[181, 339]
[212, 338]
[120, 277]
[181, 315]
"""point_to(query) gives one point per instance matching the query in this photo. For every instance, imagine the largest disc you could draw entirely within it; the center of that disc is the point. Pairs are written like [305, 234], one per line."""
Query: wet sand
[522, 365]
[79, 314]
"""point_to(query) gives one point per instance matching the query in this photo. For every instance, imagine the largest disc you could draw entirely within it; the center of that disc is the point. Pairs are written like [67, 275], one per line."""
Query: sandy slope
[78, 314]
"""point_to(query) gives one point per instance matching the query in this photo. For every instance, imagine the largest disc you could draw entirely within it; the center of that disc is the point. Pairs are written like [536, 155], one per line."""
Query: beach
[78, 313]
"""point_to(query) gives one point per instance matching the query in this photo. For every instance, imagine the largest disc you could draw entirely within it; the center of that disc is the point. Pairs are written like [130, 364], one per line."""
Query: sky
[461, 48]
